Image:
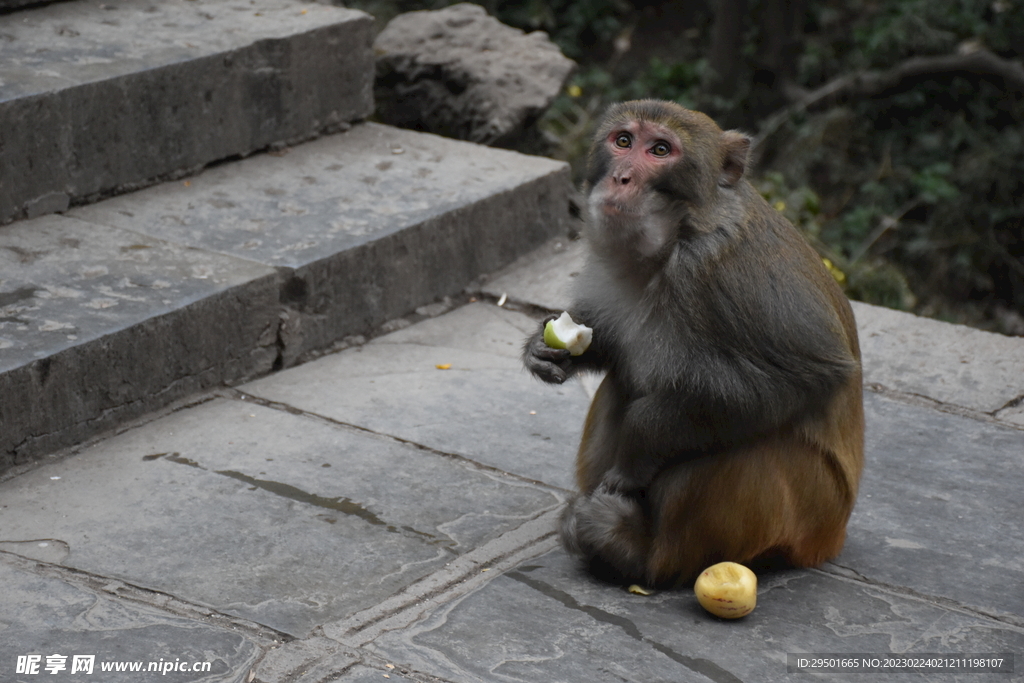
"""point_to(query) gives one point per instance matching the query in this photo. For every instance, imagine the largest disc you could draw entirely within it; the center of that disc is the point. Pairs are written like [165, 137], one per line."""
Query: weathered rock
[461, 73]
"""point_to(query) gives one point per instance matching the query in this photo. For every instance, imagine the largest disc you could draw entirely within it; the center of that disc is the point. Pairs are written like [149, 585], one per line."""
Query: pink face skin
[625, 212]
[640, 150]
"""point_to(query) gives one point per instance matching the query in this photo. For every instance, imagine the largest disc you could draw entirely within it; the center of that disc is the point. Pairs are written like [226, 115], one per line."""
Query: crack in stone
[699, 665]
[284, 407]
[155, 599]
[1012, 403]
[456, 579]
[851, 574]
[920, 400]
[340, 504]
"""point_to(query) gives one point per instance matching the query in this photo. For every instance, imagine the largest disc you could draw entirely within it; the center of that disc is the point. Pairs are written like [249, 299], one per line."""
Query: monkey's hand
[550, 365]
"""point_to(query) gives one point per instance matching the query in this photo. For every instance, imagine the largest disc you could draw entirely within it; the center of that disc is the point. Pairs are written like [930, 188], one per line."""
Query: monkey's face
[626, 209]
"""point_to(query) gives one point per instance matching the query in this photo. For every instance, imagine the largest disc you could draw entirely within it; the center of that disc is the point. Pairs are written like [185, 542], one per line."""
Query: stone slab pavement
[387, 512]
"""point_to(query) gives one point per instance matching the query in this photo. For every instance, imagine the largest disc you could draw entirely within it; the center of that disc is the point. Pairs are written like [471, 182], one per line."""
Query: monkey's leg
[597, 452]
[782, 497]
[610, 531]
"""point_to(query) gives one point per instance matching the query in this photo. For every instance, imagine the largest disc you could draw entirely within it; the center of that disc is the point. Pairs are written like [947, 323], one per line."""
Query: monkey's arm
[720, 400]
[557, 365]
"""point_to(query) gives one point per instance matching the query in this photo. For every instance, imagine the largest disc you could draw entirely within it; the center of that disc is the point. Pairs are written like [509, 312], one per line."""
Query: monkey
[729, 424]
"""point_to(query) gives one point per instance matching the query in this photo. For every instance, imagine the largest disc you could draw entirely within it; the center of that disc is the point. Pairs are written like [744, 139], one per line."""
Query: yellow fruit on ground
[727, 590]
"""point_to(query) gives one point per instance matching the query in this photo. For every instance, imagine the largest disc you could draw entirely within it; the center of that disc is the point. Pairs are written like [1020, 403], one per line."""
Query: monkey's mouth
[611, 207]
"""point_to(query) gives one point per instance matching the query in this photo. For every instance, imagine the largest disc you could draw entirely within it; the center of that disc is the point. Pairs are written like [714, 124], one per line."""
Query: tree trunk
[781, 34]
[725, 58]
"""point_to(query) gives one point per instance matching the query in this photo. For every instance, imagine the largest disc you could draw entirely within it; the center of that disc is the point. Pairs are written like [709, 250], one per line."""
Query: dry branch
[970, 58]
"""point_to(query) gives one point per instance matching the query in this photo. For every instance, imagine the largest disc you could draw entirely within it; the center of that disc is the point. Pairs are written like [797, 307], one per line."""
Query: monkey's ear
[737, 149]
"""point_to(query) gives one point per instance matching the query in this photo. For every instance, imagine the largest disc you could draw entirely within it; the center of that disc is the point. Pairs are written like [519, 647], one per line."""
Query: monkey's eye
[623, 140]
[661, 149]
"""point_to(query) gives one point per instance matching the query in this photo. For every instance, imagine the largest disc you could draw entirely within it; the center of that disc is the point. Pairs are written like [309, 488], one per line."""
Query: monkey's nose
[622, 179]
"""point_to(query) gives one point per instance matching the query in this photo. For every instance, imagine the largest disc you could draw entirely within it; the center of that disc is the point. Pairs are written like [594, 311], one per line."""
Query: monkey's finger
[540, 349]
[556, 375]
[546, 370]
[545, 352]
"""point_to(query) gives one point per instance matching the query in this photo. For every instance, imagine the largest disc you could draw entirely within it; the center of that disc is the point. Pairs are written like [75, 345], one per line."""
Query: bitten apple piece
[563, 333]
[727, 590]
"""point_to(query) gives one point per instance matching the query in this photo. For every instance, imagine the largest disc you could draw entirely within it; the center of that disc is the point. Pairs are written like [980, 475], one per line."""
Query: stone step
[10, 5]
[101, 97]
[120, 307]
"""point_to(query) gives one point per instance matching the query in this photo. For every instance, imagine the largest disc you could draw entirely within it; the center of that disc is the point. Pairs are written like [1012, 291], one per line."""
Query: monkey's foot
[610, 531]
[618, 481]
